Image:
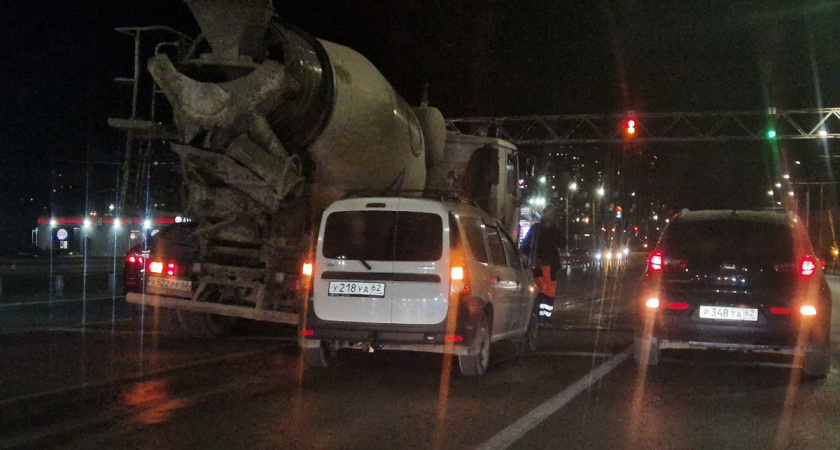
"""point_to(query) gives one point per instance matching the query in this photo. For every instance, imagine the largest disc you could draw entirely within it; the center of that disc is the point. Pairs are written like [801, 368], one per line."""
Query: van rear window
[383, 236]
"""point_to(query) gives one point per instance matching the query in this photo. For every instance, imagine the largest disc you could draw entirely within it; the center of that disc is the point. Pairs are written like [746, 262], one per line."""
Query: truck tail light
[156, 266]
[169, 269]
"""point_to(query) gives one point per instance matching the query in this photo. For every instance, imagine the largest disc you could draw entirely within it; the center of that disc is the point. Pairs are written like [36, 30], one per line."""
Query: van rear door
[378, 264]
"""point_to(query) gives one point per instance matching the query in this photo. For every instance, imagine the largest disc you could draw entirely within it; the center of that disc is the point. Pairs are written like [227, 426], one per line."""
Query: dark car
[735, 280]
[23, 251]
[173, 244]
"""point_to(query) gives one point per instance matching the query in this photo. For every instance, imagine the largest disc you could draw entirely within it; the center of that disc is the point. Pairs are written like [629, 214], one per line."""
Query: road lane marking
[526, 423]
[116, 381]
[52, 302]
[584, 354]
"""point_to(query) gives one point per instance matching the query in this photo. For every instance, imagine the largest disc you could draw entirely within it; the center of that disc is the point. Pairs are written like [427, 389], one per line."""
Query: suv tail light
[656, 261]
[807, 266]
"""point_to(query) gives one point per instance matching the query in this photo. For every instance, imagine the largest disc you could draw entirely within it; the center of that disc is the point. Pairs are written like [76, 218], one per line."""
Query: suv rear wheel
[817, 362]
[476, 364]
[646, 351]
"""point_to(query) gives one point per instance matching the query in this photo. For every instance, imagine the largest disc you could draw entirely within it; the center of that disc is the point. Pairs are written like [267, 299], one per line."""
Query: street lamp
[598, 193]
[572, 188]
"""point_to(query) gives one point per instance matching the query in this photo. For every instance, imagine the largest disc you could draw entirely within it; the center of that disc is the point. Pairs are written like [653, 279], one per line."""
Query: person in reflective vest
[543, 244]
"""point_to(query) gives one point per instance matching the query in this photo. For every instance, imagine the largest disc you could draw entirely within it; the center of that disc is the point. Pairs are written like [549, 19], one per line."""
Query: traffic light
[771, 134]
[630, 127]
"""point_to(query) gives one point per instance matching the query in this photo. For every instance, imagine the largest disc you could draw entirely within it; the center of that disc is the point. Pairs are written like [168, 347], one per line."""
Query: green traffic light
[771, 134]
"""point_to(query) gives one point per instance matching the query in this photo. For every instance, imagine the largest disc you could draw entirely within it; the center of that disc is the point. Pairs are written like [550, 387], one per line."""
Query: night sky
[487, 58]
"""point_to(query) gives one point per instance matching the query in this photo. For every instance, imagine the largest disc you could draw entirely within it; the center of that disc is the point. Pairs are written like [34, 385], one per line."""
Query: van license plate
[356, 289]
[178, 285]
[725, 313]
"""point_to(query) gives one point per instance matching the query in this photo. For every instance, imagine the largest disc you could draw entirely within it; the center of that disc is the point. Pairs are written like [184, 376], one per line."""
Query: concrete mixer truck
[273, 126]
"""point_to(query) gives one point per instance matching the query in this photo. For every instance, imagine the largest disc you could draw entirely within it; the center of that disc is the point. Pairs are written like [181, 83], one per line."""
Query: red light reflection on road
[152, 400]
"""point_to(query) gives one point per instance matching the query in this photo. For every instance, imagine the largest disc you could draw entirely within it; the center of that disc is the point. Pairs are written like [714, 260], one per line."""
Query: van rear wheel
[527, 343]
[476, 364]
[320, 356]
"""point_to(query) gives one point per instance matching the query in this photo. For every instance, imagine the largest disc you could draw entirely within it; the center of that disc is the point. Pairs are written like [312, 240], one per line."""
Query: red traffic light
[630, 126]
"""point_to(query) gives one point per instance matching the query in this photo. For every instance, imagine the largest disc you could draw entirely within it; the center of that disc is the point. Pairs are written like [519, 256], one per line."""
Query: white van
[396, 273]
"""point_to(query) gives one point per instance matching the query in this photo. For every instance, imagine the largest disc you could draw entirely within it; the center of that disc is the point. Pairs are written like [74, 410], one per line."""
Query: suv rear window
[706, 240]
[383, 236]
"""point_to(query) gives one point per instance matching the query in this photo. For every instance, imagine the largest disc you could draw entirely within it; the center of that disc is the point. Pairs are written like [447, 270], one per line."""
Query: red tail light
[656, 261]
[155, 267]
[674, 305]
[459, 277]
[134, 259]
[807, 266]
[775, 310]
[459, 280]
[164, 268]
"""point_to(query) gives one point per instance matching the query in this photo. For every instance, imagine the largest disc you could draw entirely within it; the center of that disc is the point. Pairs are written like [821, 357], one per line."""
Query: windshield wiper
[365, 264]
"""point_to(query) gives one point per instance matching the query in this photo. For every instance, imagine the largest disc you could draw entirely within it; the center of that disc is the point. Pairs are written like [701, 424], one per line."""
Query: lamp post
[598, 193]
[572, 188]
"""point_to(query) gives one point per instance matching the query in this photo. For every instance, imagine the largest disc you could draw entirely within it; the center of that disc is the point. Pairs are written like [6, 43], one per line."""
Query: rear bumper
[769, 333]
[185, 304]
[389, 336]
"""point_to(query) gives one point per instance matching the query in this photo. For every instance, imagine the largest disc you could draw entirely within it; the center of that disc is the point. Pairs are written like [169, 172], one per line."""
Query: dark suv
[735, 280]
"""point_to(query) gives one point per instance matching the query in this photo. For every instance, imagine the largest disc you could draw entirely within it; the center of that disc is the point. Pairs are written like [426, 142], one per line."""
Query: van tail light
[306, 269]
[807, 266]
[156, 266]
[652, 303]
[459, 281]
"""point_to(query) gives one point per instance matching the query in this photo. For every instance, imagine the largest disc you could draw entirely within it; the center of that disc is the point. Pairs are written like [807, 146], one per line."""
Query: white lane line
[526, 423]
[52, 302]
[131, 378]
[730, 363]
[584, 354]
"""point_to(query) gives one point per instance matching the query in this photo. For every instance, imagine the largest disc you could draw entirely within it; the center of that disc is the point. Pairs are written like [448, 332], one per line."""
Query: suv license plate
[166, 283]
[356, 289]
[725, 313]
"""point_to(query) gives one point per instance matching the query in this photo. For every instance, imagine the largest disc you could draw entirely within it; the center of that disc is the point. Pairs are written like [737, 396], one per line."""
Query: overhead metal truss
[656, 127]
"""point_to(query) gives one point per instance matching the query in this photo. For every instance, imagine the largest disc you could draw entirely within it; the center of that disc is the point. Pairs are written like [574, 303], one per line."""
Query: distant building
[98, 236]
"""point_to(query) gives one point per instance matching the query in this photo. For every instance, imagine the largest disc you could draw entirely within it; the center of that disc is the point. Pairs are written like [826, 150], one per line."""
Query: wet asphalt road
[116, 383]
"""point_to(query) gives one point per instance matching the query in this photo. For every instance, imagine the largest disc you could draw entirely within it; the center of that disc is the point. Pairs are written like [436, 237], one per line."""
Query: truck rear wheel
[201, 324]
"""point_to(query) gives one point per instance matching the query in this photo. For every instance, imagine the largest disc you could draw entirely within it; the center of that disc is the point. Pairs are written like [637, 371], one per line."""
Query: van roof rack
[450, 195]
